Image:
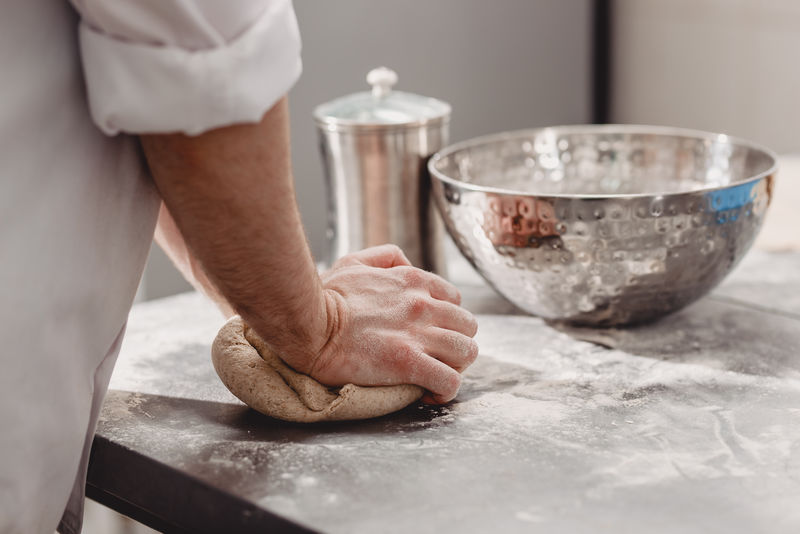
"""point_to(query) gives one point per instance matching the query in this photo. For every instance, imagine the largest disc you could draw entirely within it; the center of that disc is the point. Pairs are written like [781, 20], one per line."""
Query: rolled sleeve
[150, 88]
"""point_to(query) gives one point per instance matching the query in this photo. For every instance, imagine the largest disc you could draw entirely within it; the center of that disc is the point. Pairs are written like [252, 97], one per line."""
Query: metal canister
[375, 146]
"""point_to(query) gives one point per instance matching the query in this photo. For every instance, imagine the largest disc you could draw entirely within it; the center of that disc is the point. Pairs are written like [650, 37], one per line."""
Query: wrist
[333, 321]
[300, 347]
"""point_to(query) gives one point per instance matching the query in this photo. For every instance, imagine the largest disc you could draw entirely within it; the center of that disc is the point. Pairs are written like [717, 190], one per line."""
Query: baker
[128, 117]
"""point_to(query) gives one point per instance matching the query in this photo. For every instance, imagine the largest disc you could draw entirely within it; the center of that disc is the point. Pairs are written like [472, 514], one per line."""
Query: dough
[252, 372]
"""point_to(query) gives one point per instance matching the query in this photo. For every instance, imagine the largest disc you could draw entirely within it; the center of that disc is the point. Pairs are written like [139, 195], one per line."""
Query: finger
[441, 289]
[451, 317]
[439, 379]
[383, 256]
[436, 286]
[452, 348]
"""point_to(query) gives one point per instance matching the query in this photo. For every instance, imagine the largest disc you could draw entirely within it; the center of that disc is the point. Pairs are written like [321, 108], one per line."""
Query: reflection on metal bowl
[606, 224]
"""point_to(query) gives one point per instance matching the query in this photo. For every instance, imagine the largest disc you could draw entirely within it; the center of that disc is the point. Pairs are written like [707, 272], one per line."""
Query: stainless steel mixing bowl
[603, 225]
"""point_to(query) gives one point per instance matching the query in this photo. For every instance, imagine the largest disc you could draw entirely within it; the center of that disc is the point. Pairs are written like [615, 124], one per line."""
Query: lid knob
[381, 79]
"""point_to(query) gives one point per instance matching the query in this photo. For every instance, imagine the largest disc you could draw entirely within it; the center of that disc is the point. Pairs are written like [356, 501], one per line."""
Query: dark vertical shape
[601, 60]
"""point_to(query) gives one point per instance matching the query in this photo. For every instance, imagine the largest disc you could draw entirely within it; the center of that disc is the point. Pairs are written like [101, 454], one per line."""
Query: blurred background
[721, 65]
[502, 65]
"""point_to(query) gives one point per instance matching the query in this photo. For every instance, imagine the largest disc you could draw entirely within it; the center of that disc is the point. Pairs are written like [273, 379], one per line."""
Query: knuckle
[465, 352]
[393, 249]
[471, 324]
[456, 295]
[472, 351]
[405, 355]
[413, 277]
[445, 285]
[451, 383]
[417, 306]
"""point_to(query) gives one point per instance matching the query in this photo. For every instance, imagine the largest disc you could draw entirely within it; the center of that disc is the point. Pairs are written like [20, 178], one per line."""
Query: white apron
[78, 210]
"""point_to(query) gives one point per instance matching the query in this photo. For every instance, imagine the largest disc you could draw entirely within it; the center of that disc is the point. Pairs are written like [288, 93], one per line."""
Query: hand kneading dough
[264, 382]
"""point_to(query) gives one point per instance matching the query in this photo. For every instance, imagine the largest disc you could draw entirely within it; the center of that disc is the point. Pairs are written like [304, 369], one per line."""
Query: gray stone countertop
[690, 424]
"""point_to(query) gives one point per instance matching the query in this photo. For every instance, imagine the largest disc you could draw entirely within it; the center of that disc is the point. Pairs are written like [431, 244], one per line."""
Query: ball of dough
[260, 379]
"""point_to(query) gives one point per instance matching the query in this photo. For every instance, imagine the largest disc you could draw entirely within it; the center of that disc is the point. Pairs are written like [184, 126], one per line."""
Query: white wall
[503, 65]
[722, 65]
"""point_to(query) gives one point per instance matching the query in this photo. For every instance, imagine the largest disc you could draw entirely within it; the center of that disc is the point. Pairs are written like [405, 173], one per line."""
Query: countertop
[690, 424]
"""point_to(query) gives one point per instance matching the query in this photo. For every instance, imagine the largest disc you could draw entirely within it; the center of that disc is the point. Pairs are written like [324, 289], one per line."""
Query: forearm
[231, 194]
[171, 241]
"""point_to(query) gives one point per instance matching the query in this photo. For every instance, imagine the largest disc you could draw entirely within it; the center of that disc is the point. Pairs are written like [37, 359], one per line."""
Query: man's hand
[374, 319]
[391, 323]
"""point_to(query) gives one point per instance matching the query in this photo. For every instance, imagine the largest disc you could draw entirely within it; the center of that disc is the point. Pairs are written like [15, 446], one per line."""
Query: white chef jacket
[78, 209]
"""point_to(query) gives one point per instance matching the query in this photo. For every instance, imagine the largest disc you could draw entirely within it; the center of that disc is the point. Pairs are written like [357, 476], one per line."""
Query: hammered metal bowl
[603, 225]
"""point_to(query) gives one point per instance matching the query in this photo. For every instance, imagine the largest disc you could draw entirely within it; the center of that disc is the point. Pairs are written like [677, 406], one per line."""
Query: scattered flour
[503, 408]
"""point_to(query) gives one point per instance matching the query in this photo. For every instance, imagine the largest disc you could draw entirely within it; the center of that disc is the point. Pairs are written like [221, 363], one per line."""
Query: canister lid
[381, 108]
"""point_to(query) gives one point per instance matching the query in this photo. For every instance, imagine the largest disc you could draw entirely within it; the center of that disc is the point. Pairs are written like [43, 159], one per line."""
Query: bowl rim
[599, 128]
